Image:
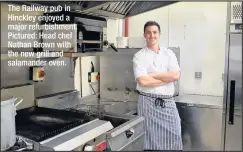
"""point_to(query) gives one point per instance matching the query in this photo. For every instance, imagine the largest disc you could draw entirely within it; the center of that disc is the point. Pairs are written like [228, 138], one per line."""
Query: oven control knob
[41, 74]
[88, 148]
[129, 133]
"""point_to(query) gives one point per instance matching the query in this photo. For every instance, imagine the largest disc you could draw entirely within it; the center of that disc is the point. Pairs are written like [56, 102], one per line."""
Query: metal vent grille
[236, 12]
[119, 7]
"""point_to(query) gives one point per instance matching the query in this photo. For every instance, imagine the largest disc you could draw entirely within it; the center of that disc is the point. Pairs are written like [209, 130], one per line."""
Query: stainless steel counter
[201, 121]
[111, 105]
[200, 100]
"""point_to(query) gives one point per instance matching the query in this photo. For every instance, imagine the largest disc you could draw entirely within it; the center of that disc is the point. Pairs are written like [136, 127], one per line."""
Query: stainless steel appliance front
[232, 129]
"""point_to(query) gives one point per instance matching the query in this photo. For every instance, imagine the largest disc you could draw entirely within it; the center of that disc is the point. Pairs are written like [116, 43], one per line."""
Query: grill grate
[42, 134]
[38, 124]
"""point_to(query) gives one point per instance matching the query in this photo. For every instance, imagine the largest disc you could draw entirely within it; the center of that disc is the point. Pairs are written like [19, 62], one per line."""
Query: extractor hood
[111, 9]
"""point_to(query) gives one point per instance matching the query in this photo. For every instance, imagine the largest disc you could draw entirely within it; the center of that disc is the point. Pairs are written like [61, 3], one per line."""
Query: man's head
[152, 33]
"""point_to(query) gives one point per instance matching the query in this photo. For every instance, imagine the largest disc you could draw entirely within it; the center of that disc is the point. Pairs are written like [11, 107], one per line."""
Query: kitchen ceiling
[111, 9]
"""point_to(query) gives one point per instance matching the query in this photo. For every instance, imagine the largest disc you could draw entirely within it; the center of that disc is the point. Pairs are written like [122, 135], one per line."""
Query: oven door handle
[111, 45]
[232, 102]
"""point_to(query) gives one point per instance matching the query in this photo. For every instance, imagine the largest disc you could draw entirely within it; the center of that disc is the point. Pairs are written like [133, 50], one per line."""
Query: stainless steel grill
[55, 129]
[44, 123]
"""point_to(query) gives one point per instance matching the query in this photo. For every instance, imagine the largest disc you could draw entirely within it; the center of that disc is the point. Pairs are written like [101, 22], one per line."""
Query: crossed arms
[156, 78]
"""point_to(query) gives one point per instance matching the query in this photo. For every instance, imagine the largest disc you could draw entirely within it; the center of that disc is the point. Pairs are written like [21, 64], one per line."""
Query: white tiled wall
[136, 23]
[199, 29]
[113, 30]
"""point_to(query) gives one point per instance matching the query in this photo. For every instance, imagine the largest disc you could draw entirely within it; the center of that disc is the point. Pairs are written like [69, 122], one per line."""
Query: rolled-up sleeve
[139, 68]
[173, 63]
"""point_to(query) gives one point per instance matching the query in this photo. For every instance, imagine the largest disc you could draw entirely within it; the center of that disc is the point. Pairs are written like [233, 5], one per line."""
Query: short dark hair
[151, 23]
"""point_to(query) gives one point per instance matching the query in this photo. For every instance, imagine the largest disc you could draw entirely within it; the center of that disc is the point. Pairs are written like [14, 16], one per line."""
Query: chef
[155, 69]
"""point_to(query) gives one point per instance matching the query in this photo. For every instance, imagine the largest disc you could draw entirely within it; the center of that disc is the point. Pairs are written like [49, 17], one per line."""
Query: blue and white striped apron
[162, 122]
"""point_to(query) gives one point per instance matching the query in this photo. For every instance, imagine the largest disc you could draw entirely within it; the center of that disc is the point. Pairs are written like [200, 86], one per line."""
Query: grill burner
[38, 123]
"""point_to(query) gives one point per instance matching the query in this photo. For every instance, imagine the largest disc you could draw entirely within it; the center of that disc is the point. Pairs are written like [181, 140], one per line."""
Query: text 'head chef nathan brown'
[155, 69]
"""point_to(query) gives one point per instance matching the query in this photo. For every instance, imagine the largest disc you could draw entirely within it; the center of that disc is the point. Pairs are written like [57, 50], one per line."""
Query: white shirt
[146, 61]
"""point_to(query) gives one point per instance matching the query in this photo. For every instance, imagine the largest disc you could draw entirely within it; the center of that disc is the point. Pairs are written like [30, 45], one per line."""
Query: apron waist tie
[158, 100]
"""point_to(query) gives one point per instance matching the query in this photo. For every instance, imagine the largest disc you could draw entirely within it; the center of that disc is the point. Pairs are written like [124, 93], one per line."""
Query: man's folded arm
[148, 81]
[168, 77]
[141, 75]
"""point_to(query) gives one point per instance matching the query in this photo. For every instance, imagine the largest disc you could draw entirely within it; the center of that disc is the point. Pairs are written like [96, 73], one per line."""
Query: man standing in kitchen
[155, 70]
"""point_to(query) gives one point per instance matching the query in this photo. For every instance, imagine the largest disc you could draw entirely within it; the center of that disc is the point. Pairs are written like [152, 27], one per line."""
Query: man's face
[152, 35]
